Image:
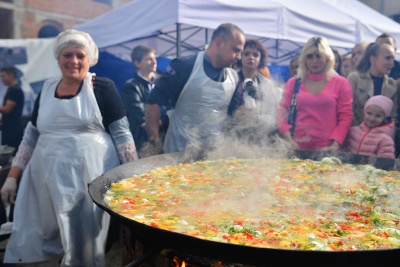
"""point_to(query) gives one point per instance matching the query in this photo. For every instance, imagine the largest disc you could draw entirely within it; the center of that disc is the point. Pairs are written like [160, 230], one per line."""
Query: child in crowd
[375, 135]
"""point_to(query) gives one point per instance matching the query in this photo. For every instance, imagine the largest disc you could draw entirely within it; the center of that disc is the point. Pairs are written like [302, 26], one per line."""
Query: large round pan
[164, 239]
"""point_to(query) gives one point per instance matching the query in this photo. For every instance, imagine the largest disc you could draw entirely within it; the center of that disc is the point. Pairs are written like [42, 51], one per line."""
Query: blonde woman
[322, 107]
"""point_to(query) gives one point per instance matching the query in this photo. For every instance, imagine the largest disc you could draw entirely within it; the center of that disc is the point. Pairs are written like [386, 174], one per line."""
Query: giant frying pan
[164, 239]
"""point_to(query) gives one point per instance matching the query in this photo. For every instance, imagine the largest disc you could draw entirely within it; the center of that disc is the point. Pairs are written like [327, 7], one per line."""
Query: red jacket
[378, 141]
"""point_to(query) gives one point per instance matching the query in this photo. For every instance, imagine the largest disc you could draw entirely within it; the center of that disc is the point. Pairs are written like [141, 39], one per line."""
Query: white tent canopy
[181, 27]
[35, 62]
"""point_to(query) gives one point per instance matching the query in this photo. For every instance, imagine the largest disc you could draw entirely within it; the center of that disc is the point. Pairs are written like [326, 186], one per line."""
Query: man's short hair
[386, 35]
[9, 70]
[225, 31]
[139, 51]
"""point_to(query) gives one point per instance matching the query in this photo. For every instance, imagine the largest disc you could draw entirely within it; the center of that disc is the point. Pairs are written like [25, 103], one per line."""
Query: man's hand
[151, 148]
[143, 125]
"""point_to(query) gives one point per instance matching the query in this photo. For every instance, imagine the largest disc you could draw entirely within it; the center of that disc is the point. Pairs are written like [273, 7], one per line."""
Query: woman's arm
[344, 114]
[335, 146]
[25, 149]
[123, 140]
[21, 159]
[114, 119]
[288, 137]
[283, 109]
[116, 122]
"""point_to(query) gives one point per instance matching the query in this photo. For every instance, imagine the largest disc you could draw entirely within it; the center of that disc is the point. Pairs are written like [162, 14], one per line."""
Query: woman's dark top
[378, 81]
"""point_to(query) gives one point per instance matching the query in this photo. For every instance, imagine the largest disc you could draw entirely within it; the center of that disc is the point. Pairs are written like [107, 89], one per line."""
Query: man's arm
[166, 93]
[8, 107]
[152, 117]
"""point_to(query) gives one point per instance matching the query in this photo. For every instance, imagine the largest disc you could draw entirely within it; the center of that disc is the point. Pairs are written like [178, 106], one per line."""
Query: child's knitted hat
[385, 103]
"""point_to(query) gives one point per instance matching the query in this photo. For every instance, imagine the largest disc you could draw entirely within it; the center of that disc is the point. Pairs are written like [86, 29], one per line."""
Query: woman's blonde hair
[321, 45]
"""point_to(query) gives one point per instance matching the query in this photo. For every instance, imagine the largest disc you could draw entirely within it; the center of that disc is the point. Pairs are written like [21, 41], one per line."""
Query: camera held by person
[250, 90]
[250, 87]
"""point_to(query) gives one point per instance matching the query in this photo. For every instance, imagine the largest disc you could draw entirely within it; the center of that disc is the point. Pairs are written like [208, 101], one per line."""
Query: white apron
[199, 114]
[54, 214]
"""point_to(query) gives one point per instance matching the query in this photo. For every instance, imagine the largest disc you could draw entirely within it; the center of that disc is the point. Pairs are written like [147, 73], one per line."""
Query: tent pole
[178, 40]
[206, 37]
[382, 7]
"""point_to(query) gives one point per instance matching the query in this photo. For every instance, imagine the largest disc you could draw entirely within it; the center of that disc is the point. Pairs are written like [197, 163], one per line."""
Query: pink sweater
[377, 141]
[321, 118]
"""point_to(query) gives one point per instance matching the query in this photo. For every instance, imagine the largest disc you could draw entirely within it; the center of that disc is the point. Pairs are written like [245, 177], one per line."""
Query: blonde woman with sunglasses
[319, 115]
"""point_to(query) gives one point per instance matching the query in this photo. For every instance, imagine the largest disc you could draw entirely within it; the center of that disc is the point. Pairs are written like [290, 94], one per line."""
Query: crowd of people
[81, 126]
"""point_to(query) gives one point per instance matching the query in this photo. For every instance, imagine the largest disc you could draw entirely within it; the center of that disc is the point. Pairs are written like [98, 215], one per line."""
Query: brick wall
[29, 16]
[77, 8]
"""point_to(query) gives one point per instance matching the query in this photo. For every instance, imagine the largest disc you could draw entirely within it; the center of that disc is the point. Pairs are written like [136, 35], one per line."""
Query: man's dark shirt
[11, 123]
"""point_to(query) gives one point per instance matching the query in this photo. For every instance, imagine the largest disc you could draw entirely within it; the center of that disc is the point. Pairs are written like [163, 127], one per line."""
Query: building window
[6, 22]
[50, 28]
[107, 2]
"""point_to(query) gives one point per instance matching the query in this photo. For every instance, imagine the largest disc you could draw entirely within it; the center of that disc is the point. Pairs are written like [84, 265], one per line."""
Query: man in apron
[200, 88]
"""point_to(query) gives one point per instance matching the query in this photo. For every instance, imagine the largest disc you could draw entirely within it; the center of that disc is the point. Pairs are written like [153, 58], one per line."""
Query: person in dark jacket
[137, 90]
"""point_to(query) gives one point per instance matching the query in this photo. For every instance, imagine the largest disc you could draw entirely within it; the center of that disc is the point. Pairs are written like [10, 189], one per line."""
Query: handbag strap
[292, 109]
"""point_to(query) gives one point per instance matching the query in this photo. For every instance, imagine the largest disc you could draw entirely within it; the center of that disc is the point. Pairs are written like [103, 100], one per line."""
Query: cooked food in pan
[269, 203]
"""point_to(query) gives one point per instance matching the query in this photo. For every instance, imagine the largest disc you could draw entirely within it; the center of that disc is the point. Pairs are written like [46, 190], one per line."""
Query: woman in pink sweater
[323, 102]
[374, 136]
